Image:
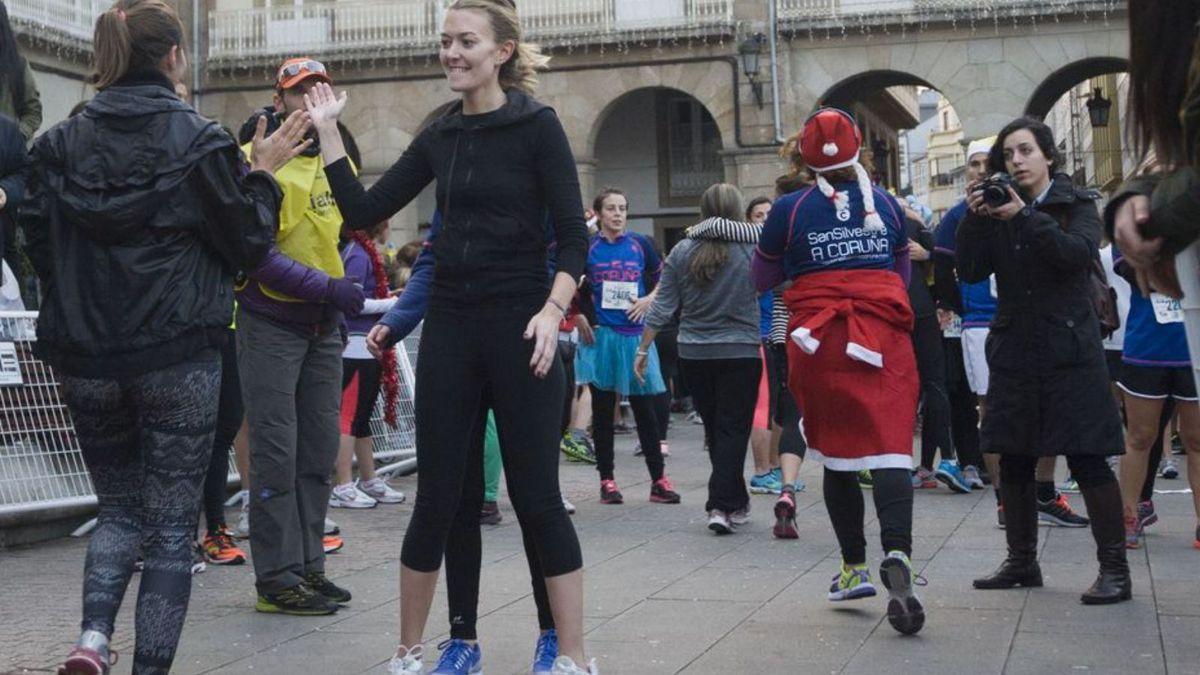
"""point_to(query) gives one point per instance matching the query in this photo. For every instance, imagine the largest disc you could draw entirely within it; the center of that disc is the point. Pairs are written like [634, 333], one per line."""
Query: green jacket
[27, 113]
[1174, 197]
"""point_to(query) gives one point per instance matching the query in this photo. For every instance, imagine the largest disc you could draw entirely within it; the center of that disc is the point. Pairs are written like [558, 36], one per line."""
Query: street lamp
[750, 51]
[1098, 108]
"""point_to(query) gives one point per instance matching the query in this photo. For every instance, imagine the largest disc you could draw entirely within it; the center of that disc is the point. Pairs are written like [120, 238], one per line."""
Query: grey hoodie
[718, 320]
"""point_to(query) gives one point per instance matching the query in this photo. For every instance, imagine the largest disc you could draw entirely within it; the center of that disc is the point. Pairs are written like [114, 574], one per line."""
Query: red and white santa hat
[830, 140]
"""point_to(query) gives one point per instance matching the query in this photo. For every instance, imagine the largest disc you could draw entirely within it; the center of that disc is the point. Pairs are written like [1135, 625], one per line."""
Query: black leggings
[1090, 471]
[787, 414]
[667, 346]
[893, 506]
[725, 393]
[464, 549]
[604, 405]
[566, 351]
[146, 441]
[454, 368]
[357, 411]
[964, 405]
[230, 412]
[935, 401]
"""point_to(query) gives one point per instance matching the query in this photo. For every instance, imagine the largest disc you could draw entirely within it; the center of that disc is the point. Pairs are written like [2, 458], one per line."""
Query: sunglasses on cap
[294, 69]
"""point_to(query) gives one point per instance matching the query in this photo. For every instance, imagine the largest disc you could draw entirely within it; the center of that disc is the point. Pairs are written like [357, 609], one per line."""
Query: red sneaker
[219, 549]
[609, 494]
[662, 492]
[785, 517]
[332, 543]
[84, 661]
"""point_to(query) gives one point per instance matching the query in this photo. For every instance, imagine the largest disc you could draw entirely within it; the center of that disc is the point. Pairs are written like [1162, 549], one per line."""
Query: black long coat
[1049, 390]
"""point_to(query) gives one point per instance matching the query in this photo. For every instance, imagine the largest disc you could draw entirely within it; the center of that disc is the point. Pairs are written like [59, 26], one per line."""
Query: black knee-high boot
[1108, 529]
[1020, 568]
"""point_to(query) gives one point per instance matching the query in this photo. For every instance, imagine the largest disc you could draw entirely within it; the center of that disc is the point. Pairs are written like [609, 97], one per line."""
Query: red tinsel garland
[390, 378]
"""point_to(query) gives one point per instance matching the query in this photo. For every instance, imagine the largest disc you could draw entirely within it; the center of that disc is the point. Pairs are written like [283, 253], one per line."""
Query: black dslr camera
[995, 189]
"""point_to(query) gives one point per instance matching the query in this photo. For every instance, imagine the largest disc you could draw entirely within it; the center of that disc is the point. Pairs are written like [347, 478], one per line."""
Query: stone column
[753, 170]
[587, 178]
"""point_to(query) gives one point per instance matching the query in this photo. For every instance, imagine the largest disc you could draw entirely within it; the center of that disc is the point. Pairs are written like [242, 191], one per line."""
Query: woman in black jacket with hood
[1049, 391]
[501, 161]
[137, 215]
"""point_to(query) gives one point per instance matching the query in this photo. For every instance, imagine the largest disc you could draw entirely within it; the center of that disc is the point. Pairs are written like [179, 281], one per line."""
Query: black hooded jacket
[137, 216]
[498, 176]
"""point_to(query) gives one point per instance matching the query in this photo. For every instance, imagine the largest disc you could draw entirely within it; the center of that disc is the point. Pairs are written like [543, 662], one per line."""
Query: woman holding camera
[1048, 393]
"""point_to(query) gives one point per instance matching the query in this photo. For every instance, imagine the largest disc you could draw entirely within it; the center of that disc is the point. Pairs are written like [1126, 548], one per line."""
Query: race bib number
[1166, 310]
[954, 328]
[618, 294]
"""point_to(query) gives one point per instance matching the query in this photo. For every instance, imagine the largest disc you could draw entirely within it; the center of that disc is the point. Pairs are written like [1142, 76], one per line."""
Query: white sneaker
[568, 505]
[718, 521]
[665, 448]
[740, 517]
[563, 665]
[331, 528]
[242, 531]
[378, 489]
[406, 661]
[349, 497]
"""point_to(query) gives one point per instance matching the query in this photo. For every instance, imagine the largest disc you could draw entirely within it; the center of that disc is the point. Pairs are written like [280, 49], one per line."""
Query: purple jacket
[357, 264]
[287, 276]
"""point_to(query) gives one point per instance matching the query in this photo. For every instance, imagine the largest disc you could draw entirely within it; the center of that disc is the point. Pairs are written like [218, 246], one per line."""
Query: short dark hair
[1041, 133]
[598, 202]
[754, 203]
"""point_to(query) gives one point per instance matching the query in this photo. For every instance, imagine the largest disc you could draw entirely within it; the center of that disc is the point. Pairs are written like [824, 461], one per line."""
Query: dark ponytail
[132, 35]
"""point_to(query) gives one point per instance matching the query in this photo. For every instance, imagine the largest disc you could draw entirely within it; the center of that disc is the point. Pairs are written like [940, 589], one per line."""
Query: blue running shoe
[799, 485]
[545, 653]
[766, 483]
[459, 657]
[852, 583]
[949, 473]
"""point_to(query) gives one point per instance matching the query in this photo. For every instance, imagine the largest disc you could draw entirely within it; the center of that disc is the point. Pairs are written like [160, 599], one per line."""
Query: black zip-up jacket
[498, 174]
[137, 214]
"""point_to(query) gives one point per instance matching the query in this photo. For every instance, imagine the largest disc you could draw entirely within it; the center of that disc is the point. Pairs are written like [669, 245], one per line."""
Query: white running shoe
[242, 531]
[665, 448]
[568, 505]
[349, 497]
[718, 521]
[406, 661]
[331, 528]
[740, 517]
[378, 489]
[563, 665]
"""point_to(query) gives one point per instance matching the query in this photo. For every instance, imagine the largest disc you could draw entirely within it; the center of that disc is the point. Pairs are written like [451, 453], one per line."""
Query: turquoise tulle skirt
[608, 364]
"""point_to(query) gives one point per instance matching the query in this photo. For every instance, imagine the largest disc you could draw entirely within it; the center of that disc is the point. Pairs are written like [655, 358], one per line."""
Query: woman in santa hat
[852, 371]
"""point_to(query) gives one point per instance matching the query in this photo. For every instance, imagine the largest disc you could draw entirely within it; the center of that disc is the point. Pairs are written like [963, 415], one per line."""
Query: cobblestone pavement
[664, 595]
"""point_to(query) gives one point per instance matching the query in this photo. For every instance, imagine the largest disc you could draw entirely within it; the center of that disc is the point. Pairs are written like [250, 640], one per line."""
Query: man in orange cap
[290, 362]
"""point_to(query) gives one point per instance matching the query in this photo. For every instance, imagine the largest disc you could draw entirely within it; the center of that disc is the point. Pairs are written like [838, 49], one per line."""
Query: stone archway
[1057, 83]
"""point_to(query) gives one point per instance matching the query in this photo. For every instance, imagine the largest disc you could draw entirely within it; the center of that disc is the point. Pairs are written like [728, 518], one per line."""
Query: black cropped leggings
[454, 369]
[464, 548]
[146, 441]
[230, 412]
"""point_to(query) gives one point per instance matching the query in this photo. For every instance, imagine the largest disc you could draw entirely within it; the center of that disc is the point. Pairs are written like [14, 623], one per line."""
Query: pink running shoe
[662, 492]
[785, 517]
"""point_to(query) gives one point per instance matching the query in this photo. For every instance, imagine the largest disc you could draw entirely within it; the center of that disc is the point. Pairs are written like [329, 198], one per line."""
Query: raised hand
[269, 153]
[323, 106]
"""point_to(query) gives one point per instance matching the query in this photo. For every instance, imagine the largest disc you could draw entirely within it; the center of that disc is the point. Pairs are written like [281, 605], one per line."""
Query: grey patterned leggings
[146, 442]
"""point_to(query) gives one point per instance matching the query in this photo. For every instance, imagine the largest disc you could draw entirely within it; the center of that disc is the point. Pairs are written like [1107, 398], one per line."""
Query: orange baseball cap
[295, 71]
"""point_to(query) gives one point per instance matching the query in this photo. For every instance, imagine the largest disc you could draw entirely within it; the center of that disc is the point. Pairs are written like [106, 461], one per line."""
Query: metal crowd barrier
[41, 467]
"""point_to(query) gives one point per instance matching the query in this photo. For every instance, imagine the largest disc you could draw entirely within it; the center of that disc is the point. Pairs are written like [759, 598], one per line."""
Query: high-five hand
[323, 105]
[269, 153]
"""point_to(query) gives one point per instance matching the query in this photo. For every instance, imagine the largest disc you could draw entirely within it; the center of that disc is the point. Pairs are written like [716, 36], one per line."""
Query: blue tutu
[608, 364]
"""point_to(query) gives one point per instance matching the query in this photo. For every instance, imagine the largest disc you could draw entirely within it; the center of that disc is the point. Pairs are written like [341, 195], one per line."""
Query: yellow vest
[309, 220]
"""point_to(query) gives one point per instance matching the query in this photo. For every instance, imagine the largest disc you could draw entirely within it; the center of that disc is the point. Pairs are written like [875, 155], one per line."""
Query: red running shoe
[219, 549]
[609, 494]
[84, 661]
[662, 492]
[332, 543]
[785, 517]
